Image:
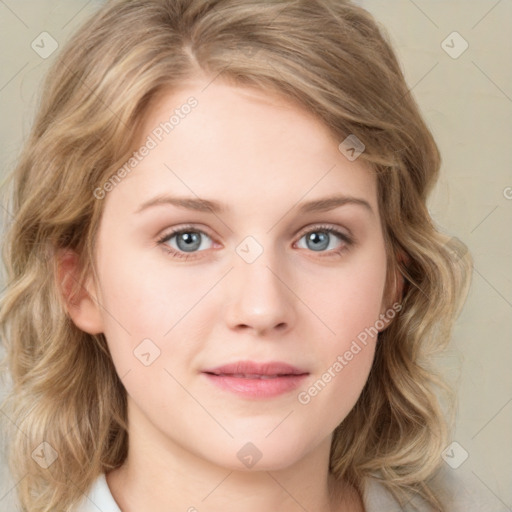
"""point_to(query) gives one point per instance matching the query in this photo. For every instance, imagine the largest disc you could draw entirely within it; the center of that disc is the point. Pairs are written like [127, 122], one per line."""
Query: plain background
[467, 103]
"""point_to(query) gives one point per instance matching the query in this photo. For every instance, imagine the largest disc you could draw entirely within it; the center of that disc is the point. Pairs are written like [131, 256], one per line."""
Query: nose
[259, 298]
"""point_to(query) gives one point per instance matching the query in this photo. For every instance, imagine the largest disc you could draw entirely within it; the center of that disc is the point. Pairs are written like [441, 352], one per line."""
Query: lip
[256, 380]
[254, 368]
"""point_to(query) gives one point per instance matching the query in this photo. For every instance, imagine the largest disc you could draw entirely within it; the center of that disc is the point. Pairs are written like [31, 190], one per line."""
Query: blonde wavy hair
[334, 60]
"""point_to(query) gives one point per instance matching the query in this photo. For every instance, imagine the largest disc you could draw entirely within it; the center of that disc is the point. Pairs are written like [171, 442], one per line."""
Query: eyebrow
[207, 205]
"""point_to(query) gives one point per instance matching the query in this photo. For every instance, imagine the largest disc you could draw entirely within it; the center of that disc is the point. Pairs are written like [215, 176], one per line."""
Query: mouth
[256, 380]
[251, 376]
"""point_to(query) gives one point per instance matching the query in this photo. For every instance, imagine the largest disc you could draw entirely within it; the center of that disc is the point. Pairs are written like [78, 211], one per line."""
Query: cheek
[146, 298]
[349, 304]
[350, 300]
[344, 357]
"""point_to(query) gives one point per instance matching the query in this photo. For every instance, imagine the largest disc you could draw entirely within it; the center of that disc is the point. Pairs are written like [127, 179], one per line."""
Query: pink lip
[256, 380]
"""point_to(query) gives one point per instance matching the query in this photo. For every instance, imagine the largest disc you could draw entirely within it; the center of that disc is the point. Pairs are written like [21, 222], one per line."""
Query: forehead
[221, 105]
[242, 142]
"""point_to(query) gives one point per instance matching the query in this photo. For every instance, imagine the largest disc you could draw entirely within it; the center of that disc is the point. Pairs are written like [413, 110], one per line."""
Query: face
[267, 271]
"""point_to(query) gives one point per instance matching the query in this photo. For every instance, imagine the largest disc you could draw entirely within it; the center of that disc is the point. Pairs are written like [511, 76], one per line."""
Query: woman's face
[258, 277]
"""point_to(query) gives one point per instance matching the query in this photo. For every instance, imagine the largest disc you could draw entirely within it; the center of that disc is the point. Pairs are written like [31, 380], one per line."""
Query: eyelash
[321, 228]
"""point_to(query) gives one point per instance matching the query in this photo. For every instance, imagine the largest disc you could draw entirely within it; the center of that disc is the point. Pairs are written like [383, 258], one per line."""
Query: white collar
[99, 498]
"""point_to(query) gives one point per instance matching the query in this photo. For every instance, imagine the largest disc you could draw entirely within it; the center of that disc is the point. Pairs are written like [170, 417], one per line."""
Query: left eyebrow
[329, 203]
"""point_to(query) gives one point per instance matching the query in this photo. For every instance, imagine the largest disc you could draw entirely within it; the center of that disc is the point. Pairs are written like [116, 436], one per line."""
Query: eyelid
[330, 228]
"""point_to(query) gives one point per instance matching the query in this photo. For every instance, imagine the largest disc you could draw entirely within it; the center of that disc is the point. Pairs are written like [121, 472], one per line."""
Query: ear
[80, 299]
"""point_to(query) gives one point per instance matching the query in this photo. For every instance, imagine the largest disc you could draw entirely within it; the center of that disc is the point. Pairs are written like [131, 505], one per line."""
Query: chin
[271, 454]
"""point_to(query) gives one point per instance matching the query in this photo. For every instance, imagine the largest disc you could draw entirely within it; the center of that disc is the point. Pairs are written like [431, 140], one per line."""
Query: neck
[161, 475]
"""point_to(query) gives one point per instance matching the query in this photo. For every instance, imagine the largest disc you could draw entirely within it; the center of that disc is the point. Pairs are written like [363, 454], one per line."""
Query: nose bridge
[258, 295]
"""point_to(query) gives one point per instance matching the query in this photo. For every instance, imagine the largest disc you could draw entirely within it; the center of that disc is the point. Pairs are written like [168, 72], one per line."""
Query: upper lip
[254, 368]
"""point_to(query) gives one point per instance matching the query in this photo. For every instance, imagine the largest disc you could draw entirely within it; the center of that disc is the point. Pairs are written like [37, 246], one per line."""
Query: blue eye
[188, 241]
[320, 239]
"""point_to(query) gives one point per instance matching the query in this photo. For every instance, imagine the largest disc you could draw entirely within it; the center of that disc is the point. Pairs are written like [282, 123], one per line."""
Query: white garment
[375, 498]
[98, 498]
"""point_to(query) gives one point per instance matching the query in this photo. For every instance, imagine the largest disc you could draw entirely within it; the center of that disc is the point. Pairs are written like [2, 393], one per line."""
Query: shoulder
[457, 492]
[97, 498]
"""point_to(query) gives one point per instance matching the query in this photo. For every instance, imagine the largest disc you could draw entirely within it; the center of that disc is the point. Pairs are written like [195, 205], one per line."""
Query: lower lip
[257, 388]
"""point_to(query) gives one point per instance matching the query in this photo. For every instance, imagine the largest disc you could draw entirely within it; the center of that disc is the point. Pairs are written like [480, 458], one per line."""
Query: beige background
[467, 102]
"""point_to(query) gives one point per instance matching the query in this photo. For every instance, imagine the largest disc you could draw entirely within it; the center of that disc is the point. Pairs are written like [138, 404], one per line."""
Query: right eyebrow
[190, 203]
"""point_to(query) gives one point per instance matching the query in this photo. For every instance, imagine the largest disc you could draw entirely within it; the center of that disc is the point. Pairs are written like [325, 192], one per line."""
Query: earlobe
[80, 300]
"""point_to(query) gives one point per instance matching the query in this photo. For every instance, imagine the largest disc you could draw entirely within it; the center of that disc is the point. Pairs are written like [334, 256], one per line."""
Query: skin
[262, 156]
